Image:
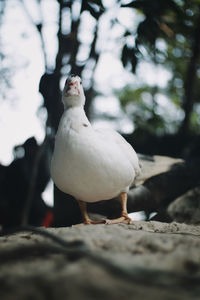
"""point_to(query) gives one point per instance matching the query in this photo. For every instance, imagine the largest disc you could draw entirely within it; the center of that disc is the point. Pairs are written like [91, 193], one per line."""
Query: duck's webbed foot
[124, 214]
[124, 218]
[89, 221]
[86, 218]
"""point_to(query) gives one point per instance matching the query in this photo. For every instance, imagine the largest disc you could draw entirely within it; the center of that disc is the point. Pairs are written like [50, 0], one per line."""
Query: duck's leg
[86, 218]
[124, 214]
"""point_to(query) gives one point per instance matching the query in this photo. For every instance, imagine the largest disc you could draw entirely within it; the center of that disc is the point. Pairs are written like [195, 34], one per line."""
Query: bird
[91, 164]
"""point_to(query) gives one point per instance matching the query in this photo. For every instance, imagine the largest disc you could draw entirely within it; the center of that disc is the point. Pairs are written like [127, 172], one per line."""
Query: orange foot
[123, 219]
[89, 221]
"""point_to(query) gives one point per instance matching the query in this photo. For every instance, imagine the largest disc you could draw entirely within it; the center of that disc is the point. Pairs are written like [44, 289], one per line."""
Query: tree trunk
[188, 99]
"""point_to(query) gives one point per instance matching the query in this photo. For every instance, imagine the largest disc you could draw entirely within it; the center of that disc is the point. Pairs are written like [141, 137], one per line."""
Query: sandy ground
[143, 260]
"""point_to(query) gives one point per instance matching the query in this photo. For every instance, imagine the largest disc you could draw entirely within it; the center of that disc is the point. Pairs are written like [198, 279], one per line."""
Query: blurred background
[140, 66]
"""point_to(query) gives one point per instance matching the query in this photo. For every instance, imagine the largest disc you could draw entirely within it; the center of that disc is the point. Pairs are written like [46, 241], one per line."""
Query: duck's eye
[80, 82]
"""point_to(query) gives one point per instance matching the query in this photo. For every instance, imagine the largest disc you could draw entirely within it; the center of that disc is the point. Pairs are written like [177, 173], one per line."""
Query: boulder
[186, 208]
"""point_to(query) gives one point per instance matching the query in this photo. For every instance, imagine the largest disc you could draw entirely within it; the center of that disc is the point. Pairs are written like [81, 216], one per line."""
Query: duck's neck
[76, 113]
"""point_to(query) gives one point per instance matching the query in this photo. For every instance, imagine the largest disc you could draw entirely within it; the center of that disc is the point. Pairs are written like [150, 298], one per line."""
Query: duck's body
[89, 164]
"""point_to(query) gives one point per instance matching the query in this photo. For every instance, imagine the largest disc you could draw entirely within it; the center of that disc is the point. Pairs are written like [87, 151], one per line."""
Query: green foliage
[142, 106]
[171, 23]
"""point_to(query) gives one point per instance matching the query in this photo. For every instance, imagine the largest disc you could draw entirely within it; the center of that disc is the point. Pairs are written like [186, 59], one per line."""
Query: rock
[143, 260]
[154, 165]
[186, 208]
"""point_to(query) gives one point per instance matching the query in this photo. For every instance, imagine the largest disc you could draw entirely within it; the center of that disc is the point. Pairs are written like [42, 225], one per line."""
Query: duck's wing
[115, 137]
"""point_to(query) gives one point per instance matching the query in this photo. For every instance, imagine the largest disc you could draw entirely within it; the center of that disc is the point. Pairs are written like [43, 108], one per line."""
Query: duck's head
[73, 94]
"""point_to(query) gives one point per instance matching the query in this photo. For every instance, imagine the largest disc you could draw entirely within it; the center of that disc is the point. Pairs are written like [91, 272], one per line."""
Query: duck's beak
[72, 88]
[71, 83]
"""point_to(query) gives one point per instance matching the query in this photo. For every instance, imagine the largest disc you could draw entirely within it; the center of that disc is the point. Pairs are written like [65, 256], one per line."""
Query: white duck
[89, 164]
